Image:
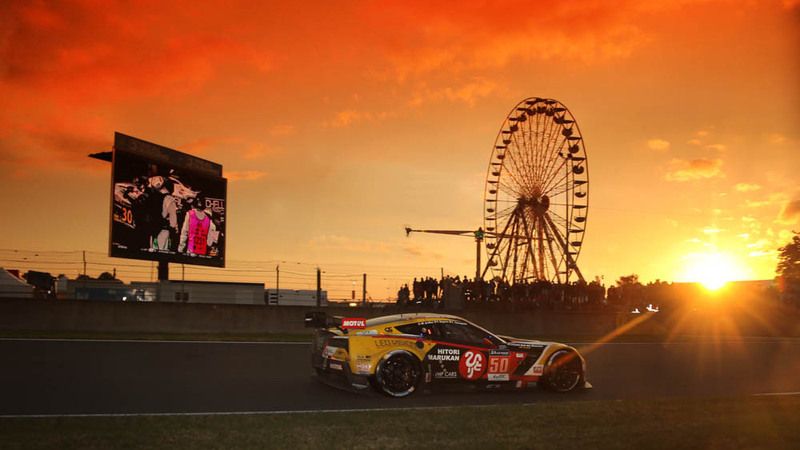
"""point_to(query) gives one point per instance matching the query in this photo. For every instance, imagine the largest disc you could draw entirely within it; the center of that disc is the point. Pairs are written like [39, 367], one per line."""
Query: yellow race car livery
[399, 354]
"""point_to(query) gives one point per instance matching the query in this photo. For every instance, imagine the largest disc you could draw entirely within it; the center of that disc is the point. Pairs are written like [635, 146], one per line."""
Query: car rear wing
[318, 319]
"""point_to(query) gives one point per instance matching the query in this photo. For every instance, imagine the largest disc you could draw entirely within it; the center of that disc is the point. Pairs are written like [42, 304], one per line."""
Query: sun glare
[713, 271]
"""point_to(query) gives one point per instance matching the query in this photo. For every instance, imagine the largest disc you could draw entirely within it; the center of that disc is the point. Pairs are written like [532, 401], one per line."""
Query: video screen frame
[166, 205]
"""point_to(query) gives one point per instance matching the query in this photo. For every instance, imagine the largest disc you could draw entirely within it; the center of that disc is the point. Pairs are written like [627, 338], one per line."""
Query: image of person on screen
[166, 237]
[198, 229]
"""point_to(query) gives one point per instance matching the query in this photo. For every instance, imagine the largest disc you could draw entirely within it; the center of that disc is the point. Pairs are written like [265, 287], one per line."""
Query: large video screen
[163, 211]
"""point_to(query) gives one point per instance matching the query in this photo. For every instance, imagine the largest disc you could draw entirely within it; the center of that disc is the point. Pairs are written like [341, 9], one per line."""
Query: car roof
[411, 317]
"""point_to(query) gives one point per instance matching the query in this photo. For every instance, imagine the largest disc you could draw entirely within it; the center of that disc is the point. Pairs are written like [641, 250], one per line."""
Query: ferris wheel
[536, 195]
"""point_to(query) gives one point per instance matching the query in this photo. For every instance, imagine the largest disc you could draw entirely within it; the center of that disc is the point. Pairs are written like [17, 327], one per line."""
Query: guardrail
[152, 317]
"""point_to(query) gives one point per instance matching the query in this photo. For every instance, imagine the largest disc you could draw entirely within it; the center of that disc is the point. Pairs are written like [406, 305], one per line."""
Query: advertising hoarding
[166, 205]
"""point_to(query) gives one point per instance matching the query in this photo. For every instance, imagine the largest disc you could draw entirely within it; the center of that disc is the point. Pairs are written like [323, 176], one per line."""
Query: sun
[712, 270]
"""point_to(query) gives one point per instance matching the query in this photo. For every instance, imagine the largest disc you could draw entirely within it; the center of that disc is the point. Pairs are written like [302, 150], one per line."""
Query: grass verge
[751, 422]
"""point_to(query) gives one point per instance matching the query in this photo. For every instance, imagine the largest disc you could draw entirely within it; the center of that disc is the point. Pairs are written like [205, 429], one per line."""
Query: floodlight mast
[477, 234]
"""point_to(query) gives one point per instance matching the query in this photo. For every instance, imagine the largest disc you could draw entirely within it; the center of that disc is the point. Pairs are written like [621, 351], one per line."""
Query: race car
[400, 354]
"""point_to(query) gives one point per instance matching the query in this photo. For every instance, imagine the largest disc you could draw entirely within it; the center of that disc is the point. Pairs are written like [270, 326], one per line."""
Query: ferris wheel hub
[539, 204]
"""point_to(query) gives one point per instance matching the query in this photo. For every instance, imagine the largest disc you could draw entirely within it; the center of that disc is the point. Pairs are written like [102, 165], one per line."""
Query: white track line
[777, 394]
[245, 413]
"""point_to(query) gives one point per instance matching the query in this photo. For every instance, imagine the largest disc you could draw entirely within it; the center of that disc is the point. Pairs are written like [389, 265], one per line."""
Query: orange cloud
[349, 117]
[342, 243]
[747, 187]
[82, 54]
[658, 144]
[468, 93]
[717, 147]
[436, 37]
[696, 169]
[282, 130]
[56, 145]
[244, 175]
[228, 147]
[790, 212]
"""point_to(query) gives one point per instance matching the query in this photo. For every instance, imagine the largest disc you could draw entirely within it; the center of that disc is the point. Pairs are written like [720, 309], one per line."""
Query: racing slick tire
[563, 372]
[398, 374]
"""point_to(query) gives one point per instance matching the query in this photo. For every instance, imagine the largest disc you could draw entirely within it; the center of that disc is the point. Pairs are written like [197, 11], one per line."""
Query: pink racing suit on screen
[198, 234]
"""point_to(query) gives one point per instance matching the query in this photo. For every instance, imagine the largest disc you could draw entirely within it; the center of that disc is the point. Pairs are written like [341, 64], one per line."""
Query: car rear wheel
[398, 374]
[564, 371]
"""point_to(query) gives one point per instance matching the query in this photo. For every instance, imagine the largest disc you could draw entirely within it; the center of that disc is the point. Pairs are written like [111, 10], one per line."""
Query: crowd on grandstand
[465, 292]
[628, 294]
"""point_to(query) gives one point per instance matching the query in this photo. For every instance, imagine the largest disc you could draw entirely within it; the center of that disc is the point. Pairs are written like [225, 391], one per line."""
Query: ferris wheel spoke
[538, 153]
[557, 163]
[521, 171]
[558, 217]
[562, 187]
[557, 177]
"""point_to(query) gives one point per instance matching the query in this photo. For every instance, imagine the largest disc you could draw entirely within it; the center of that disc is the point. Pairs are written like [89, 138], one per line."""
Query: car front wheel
[564, 371]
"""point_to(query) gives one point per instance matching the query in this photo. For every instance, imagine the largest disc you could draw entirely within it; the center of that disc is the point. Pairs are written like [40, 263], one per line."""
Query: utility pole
[478, 240]
[84, 273]
[319, 287]
[364, 292]
[163, 275]
[183, 278]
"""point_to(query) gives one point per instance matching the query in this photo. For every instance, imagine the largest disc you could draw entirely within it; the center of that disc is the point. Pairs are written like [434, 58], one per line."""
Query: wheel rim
[564, 372]
[536, 195]
[399, 375]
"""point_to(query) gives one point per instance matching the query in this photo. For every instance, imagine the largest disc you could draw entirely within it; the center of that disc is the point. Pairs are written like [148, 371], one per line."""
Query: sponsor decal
[431, 322]
[363, 367]
[499, 353]
[445, 354]
[498, 377]
[520, 355]
[538, 369]
[472, 365]
[446, 374]
[395, 343]
[348, 323]
[499, 364]
[335, 366]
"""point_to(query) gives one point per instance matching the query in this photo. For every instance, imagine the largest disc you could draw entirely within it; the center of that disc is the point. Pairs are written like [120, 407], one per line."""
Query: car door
[462, 351]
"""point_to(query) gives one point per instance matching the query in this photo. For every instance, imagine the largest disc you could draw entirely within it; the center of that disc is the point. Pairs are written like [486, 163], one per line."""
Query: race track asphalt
[69, 377]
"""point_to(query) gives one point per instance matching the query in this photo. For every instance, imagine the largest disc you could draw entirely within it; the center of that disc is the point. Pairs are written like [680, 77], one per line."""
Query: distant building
[166, 291]
[294, 297]
[199, 292]
[11, 285]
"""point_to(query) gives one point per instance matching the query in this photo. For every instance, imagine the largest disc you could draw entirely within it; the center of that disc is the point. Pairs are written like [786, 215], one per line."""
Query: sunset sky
[339, 123]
